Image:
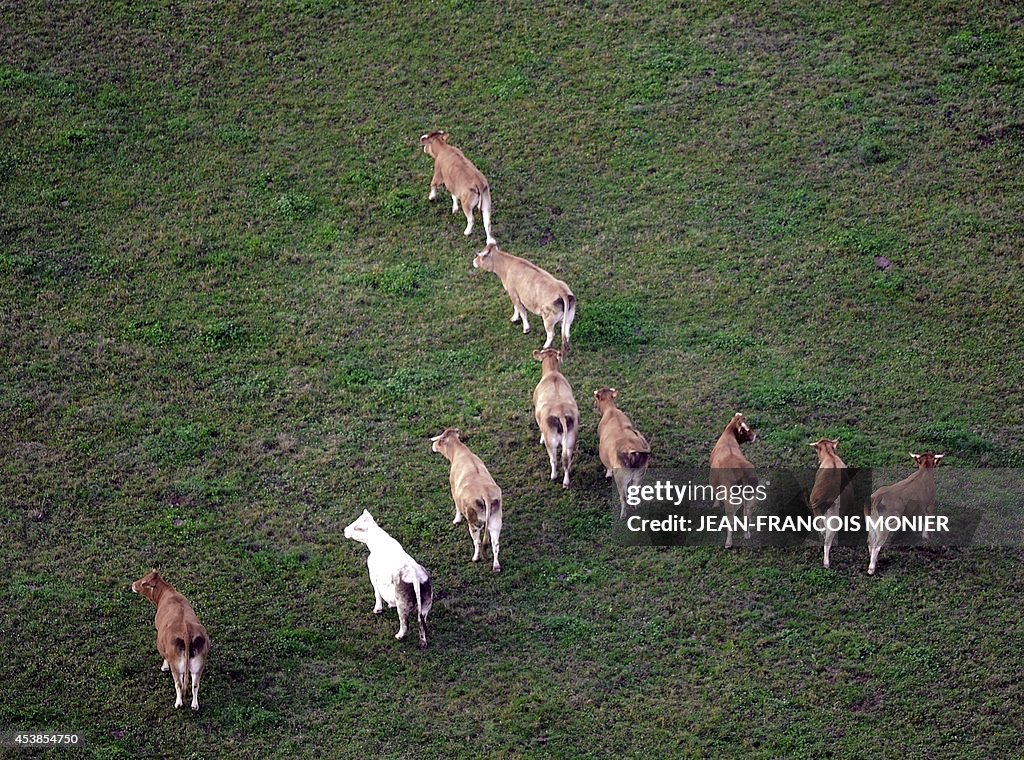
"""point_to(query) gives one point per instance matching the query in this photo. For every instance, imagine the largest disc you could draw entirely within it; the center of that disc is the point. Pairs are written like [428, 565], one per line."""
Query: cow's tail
[485, 211]
[420, 617]
[419, 595]
[561, 424]
[568, 315]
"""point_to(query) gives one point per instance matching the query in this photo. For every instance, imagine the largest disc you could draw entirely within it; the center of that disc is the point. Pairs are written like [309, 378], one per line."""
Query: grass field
[231, 321]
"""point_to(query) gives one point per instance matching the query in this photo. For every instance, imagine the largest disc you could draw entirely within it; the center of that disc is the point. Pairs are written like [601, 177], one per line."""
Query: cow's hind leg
[522, 314]
[830, 536]
[568, 444]
[178, 676]
[549, 328]
[474, 533]
[196, 671]
[552, 447]
[467, 209]
[403, 615]
[494, 529]
[730, 519]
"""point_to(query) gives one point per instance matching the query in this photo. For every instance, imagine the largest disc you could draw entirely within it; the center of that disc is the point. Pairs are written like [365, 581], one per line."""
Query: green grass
[231, 320]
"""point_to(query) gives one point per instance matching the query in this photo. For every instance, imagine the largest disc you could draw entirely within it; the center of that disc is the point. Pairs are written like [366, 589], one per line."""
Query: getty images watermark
[700, 507]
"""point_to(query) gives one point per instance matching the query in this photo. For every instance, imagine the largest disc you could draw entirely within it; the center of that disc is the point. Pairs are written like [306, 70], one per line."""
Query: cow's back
[553, 393]
[457, 171]
[729, 466]
[537, 287]
[616, 435]
[174, 617]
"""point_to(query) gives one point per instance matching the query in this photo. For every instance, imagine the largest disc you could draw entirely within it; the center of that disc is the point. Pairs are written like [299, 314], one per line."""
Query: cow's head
[603, 398]
[149, 585]
[485, 259]
[825, 446]
[443, 442]
[361, 527]
[743, 432]
[926, 460]
[550, 359]
[431, 140]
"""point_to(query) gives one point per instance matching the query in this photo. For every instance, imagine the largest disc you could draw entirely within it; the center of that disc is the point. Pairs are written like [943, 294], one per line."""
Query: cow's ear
[457, 433]
[615, 393]
[443, 135]
[835, 441]
[536, 354]
[915, 457]
[938, 456]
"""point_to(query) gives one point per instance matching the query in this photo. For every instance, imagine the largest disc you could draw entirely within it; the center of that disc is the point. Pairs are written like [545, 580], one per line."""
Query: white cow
[396, 577]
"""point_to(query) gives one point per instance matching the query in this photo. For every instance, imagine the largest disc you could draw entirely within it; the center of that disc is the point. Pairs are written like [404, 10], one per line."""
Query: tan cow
[729, 468]
[180, 638]
[624, 452]
[456, 173]
[476, 495]
[531, 290]
[828, 493]
[555, 410]
[911, 497]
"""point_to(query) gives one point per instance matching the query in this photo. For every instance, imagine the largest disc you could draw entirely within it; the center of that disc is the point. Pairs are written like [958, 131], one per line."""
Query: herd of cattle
[401, 582]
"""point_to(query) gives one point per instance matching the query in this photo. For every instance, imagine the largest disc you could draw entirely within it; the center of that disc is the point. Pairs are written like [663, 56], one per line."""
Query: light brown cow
[456, 173]
[729, 468]
[476, 495]
[828, 492]
[180, 637]
[531, 290]
[555, 410]
[911, 497]
[624, 452]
